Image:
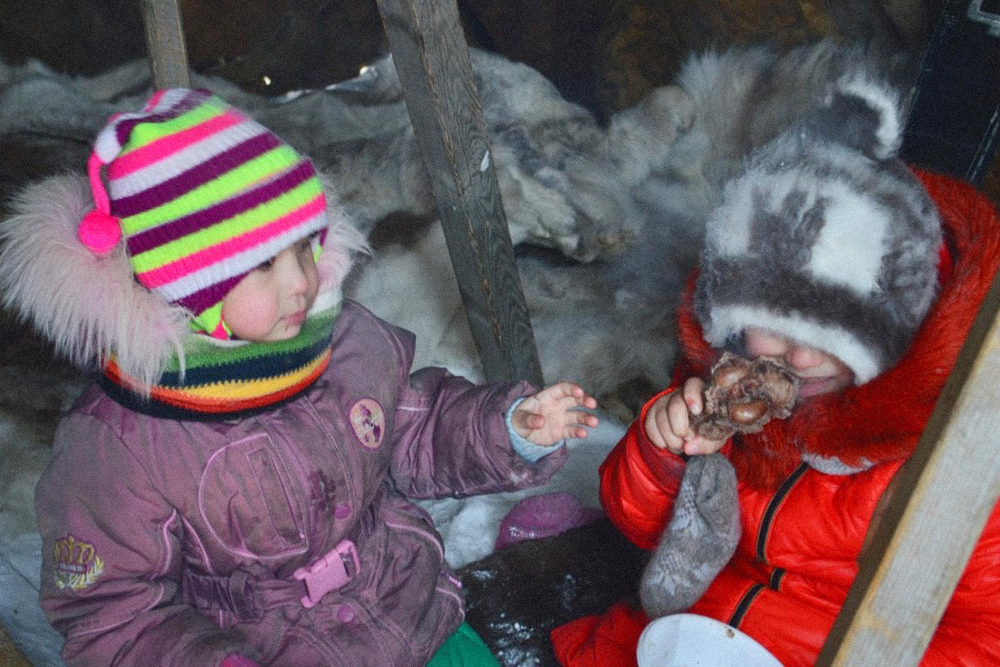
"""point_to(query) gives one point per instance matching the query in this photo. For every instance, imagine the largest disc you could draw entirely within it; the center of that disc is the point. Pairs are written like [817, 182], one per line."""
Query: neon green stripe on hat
[233, 182]
[146, 133]
[226, 230]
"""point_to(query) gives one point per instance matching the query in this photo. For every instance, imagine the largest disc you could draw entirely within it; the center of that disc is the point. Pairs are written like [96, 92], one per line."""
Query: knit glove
[699, 540]
[237, 660]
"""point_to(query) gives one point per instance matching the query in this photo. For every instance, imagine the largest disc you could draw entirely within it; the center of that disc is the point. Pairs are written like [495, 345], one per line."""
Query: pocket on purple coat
[250, 500]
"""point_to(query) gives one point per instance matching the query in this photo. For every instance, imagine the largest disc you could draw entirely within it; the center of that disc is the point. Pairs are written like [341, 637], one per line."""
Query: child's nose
[300, 281]
[294, 275]
[802, 357]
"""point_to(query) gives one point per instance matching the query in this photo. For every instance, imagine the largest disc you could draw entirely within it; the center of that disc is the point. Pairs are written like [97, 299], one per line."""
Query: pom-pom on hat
[202, 195]
[825, 238]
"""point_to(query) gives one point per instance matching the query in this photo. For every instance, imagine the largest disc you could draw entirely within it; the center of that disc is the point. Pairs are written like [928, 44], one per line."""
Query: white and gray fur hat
[826, 237]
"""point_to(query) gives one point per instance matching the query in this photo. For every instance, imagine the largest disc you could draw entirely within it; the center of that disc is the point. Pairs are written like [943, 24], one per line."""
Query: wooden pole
[165, 43]
[432, 60]
[945, 495]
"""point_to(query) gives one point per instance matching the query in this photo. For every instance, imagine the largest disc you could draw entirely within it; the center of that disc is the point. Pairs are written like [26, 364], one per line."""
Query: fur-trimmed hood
[90, 306]
[883, 419]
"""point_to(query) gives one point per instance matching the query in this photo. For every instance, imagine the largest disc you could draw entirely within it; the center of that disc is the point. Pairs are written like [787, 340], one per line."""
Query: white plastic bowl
[689, 640]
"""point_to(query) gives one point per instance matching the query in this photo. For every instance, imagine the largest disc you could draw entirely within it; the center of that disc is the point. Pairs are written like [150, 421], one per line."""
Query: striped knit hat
[202, 194]
[826, 239]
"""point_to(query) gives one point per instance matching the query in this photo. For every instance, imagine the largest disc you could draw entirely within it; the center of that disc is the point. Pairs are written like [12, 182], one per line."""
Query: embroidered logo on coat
[368, 421]
[77, 564]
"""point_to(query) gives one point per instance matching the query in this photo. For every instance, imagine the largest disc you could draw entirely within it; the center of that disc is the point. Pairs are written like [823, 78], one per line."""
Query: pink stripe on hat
[155, 99]
[220, 252]
[168, 145]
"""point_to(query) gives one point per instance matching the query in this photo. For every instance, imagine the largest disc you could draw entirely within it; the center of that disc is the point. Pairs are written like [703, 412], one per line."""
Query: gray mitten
[699, 540]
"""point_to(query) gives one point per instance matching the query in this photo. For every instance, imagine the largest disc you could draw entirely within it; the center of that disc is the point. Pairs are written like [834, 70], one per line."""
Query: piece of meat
[743, 395]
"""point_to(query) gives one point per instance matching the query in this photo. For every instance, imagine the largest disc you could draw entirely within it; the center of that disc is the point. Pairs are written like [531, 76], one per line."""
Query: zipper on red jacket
[767, 520]
[744, 605]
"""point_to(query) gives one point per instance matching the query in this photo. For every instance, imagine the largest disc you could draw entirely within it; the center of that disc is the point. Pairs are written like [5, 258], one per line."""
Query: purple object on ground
[543, 515]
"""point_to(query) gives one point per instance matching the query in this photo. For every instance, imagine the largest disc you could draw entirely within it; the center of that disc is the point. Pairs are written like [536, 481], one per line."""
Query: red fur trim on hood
[881, 420]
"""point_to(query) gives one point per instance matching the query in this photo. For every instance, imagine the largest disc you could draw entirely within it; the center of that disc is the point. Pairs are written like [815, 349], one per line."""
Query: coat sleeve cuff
[526, 449]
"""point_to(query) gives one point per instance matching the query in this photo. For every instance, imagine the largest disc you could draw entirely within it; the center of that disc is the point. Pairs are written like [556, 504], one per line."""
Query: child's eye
[305, 246]
[307, 242]
[265, 265]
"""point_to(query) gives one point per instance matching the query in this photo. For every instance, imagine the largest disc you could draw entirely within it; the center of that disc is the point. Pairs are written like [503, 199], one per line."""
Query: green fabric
[463, 648]
[203, 351]
[226, 379]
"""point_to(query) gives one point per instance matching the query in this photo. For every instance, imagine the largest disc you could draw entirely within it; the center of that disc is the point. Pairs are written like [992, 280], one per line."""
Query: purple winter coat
[175, 543]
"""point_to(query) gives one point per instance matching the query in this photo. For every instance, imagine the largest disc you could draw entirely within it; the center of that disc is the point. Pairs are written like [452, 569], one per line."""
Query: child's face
[819, 372]
[271, 302]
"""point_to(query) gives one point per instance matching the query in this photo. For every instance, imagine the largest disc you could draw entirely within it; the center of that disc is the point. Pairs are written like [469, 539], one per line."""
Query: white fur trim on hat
[728, 321]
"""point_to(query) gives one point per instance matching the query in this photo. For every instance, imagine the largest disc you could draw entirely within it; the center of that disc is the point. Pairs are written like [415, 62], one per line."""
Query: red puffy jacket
[803, 530]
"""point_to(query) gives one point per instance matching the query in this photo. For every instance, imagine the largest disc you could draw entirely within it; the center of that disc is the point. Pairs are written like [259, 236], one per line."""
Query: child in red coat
[828, 255]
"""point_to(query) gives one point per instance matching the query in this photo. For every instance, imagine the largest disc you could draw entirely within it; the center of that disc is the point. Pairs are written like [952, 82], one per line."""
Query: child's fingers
[570, 394]
[579, 423]
[694, 395]
[679, 416]
[699, 445]
[652, 426]
[658, 427]
[564, 389]
[576, 396]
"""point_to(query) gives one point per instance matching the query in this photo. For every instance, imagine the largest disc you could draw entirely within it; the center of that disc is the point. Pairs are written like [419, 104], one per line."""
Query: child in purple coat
[233, 490]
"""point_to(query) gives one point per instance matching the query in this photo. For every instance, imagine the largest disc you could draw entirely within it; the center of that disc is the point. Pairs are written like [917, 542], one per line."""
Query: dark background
[603, 54]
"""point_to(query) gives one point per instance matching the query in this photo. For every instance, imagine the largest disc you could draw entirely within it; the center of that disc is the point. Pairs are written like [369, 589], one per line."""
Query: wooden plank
[165, 43]
[10, 656]
[432, 60]
[938, 508]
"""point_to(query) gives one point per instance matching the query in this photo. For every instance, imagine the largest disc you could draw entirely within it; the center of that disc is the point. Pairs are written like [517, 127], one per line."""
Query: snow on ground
[469, 526]
[20, 615]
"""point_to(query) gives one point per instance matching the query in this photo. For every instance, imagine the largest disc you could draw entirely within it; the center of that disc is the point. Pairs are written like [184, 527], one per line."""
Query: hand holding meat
[743, 396]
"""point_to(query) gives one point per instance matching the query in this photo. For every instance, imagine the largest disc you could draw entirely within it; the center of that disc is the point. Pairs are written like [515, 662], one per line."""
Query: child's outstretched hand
[668, 421]
[551, 415]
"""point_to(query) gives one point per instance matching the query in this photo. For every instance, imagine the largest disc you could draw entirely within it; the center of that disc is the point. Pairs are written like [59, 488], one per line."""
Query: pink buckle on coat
[329, 573]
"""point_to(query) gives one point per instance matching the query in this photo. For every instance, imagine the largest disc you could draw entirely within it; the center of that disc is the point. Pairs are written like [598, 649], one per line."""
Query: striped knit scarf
[224, 380]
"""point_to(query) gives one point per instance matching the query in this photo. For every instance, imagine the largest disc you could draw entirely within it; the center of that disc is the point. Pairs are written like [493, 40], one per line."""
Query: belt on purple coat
[248, 597]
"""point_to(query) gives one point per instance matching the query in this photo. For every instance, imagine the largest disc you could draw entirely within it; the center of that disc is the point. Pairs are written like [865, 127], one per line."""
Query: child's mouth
[814, 386]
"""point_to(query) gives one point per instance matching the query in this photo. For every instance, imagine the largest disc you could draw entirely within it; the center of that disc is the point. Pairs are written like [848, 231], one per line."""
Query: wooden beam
[940, 503]
[432, 60]
[165, 43]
